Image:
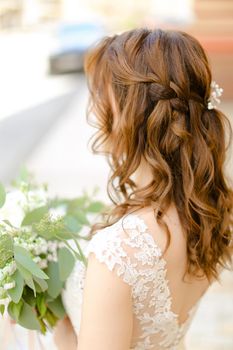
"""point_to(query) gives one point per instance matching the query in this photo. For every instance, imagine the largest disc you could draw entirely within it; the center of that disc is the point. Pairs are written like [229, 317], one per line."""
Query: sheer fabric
[129, 250]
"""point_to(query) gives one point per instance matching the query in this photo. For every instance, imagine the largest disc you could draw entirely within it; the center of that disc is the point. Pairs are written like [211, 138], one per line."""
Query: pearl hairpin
[214, 96]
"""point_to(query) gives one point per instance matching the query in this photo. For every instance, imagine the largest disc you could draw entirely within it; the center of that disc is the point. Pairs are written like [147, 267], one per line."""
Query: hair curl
[161, 80]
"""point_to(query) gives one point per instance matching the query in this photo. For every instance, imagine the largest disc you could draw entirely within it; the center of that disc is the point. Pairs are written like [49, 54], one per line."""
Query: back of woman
[182, 296]
[185, 294]
[154, 103]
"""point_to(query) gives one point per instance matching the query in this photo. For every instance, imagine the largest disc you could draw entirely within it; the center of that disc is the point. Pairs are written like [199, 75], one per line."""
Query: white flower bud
[9, 269]
[9, 285]
[43, 264]
[12, 268]
[37, 259]
[52, 246]
[50, 257]
[55, 256]
[61, 244]
[5, 301]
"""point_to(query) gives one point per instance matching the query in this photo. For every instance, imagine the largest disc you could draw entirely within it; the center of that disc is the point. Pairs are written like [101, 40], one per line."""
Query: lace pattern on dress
[137, 259]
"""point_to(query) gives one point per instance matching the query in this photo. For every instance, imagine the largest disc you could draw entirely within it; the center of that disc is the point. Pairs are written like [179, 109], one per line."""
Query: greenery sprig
[39, 244]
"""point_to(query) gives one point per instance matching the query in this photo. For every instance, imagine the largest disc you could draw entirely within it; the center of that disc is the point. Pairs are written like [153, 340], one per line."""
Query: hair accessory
[214, 96]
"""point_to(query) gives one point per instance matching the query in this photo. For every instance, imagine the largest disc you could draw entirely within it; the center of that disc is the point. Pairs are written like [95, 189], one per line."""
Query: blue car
[72, 42]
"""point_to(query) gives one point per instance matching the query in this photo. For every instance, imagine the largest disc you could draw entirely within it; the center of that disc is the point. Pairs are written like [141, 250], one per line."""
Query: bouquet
[39, 244]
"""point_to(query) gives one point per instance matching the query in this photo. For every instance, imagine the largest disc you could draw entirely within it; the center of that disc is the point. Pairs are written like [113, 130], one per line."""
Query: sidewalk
[63, 159]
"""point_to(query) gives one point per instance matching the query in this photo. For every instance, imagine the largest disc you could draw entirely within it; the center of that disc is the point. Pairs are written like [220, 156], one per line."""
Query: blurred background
[44, 95]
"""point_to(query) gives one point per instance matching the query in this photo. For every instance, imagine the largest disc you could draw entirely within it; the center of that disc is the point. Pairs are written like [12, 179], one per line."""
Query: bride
[168, 235]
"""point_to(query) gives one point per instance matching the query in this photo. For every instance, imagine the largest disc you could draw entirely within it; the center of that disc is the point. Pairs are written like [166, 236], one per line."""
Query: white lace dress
[131, 252]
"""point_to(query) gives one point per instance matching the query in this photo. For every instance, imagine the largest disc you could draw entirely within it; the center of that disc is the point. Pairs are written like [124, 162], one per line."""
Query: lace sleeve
[126, 248]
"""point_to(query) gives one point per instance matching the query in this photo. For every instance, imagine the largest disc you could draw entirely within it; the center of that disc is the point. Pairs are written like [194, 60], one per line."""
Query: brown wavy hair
[161, 83]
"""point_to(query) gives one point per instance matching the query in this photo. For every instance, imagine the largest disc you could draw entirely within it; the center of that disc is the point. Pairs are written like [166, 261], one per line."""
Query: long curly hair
[161, 83]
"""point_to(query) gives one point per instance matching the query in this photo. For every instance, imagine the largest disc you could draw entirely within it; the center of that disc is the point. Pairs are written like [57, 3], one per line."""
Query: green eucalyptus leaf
[30, 283]
[35, 215]
[43, 328]
[29, 297]
[37, 287]
[48, 297]
[66, 263]
[81, 217]
[16, 292]
[43, 285]
[80, 201]
[2, 195]
[24, 272]
[64, 234]
[22, 256]
[6, 249]
[56, 306]
[76, 204]
[41, 305]
[51, 318]
[54, 283]
[72, 223]
[28, 318]
[95, 207]
[2, 309]
[14, 309]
